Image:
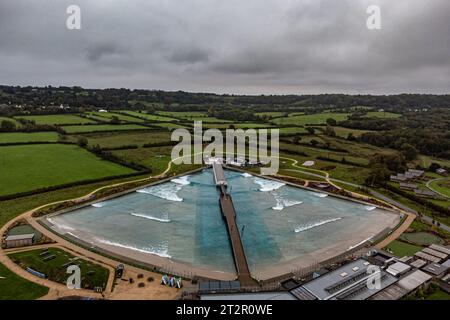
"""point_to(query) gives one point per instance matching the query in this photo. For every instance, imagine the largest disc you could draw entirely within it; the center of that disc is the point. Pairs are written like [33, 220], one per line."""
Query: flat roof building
[21, 240]
[440, 248]
[419, 263]
[436, 269]
[427, 257]
[398, 268]
[348, 282]
[403, 287]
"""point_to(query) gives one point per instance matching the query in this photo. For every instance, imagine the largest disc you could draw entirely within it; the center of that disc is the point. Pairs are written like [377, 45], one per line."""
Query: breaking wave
[166, 219]
[167, 191]
[283, 203]
[268, 185]
[98, 204]
[181, 180]
[162, 251]
[247, 175]
[370, 208]
[61, 226]
[320, 195]
[314, 225]
[359, 243]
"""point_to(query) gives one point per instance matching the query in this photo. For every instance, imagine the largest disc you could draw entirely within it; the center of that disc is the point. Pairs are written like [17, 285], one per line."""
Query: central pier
[229, 215]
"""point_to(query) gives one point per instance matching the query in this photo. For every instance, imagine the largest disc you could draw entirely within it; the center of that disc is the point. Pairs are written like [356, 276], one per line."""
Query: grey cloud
[252, 46]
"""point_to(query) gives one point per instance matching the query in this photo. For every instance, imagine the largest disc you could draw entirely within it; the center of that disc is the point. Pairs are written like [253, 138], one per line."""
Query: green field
[344, 132]
[271, 114]
[57, 119]
[13, 287]
[183, 115]
[169, 125]
[401, 249]
[102, 127]
[18, 137]
[292, 130]
[383, 115]
[242, 125]
[155, 158]
[38, 166]
[108, 116]
[149, 117]
[92, 275]
[319, 118]
[117, 139]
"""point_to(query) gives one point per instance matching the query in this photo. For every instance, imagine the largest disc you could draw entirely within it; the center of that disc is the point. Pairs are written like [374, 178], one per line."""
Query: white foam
[166, 191]
[247, 175]
[161, 252]
[370, 208]
[61, 226]
[283, 203]
[98, 204]
[182, 180]
[315, 224]
[359, 243]
[151, 217]
[268, 185]
[320, 195]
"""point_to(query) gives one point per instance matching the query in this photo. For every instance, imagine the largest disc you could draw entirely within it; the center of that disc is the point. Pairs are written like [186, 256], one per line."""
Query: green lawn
[17, 137]
[13, 287]
[401, 249]
[422, 238]
[319, 118]
[31, 167]
[103, 127]
[92, 275]
[58, 119]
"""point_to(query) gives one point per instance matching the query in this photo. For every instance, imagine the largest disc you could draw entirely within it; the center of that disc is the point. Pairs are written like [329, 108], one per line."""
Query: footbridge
[229, 215]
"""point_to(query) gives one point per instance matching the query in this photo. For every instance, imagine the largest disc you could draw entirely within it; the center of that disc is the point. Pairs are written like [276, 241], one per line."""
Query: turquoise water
[181, 220]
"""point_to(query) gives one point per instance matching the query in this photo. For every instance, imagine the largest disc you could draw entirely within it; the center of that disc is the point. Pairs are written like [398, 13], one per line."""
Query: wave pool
[282, 226]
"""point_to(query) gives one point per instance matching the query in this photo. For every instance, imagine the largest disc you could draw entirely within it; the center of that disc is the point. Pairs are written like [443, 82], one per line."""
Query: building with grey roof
[436, 269]
[349, 282]
[440, 248]
[19, 240]
[403, 287]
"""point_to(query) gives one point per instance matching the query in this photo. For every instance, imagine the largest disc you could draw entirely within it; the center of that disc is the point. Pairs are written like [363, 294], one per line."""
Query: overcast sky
[229, 46]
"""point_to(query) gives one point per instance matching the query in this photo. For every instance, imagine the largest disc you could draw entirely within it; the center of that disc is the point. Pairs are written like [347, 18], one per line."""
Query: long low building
[428, 257]
[22, 240]
[440, 248]
[348, 282]
[403, 287]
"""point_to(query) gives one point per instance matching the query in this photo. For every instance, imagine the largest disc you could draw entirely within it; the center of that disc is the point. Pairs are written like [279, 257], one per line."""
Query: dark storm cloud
[252, 46]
